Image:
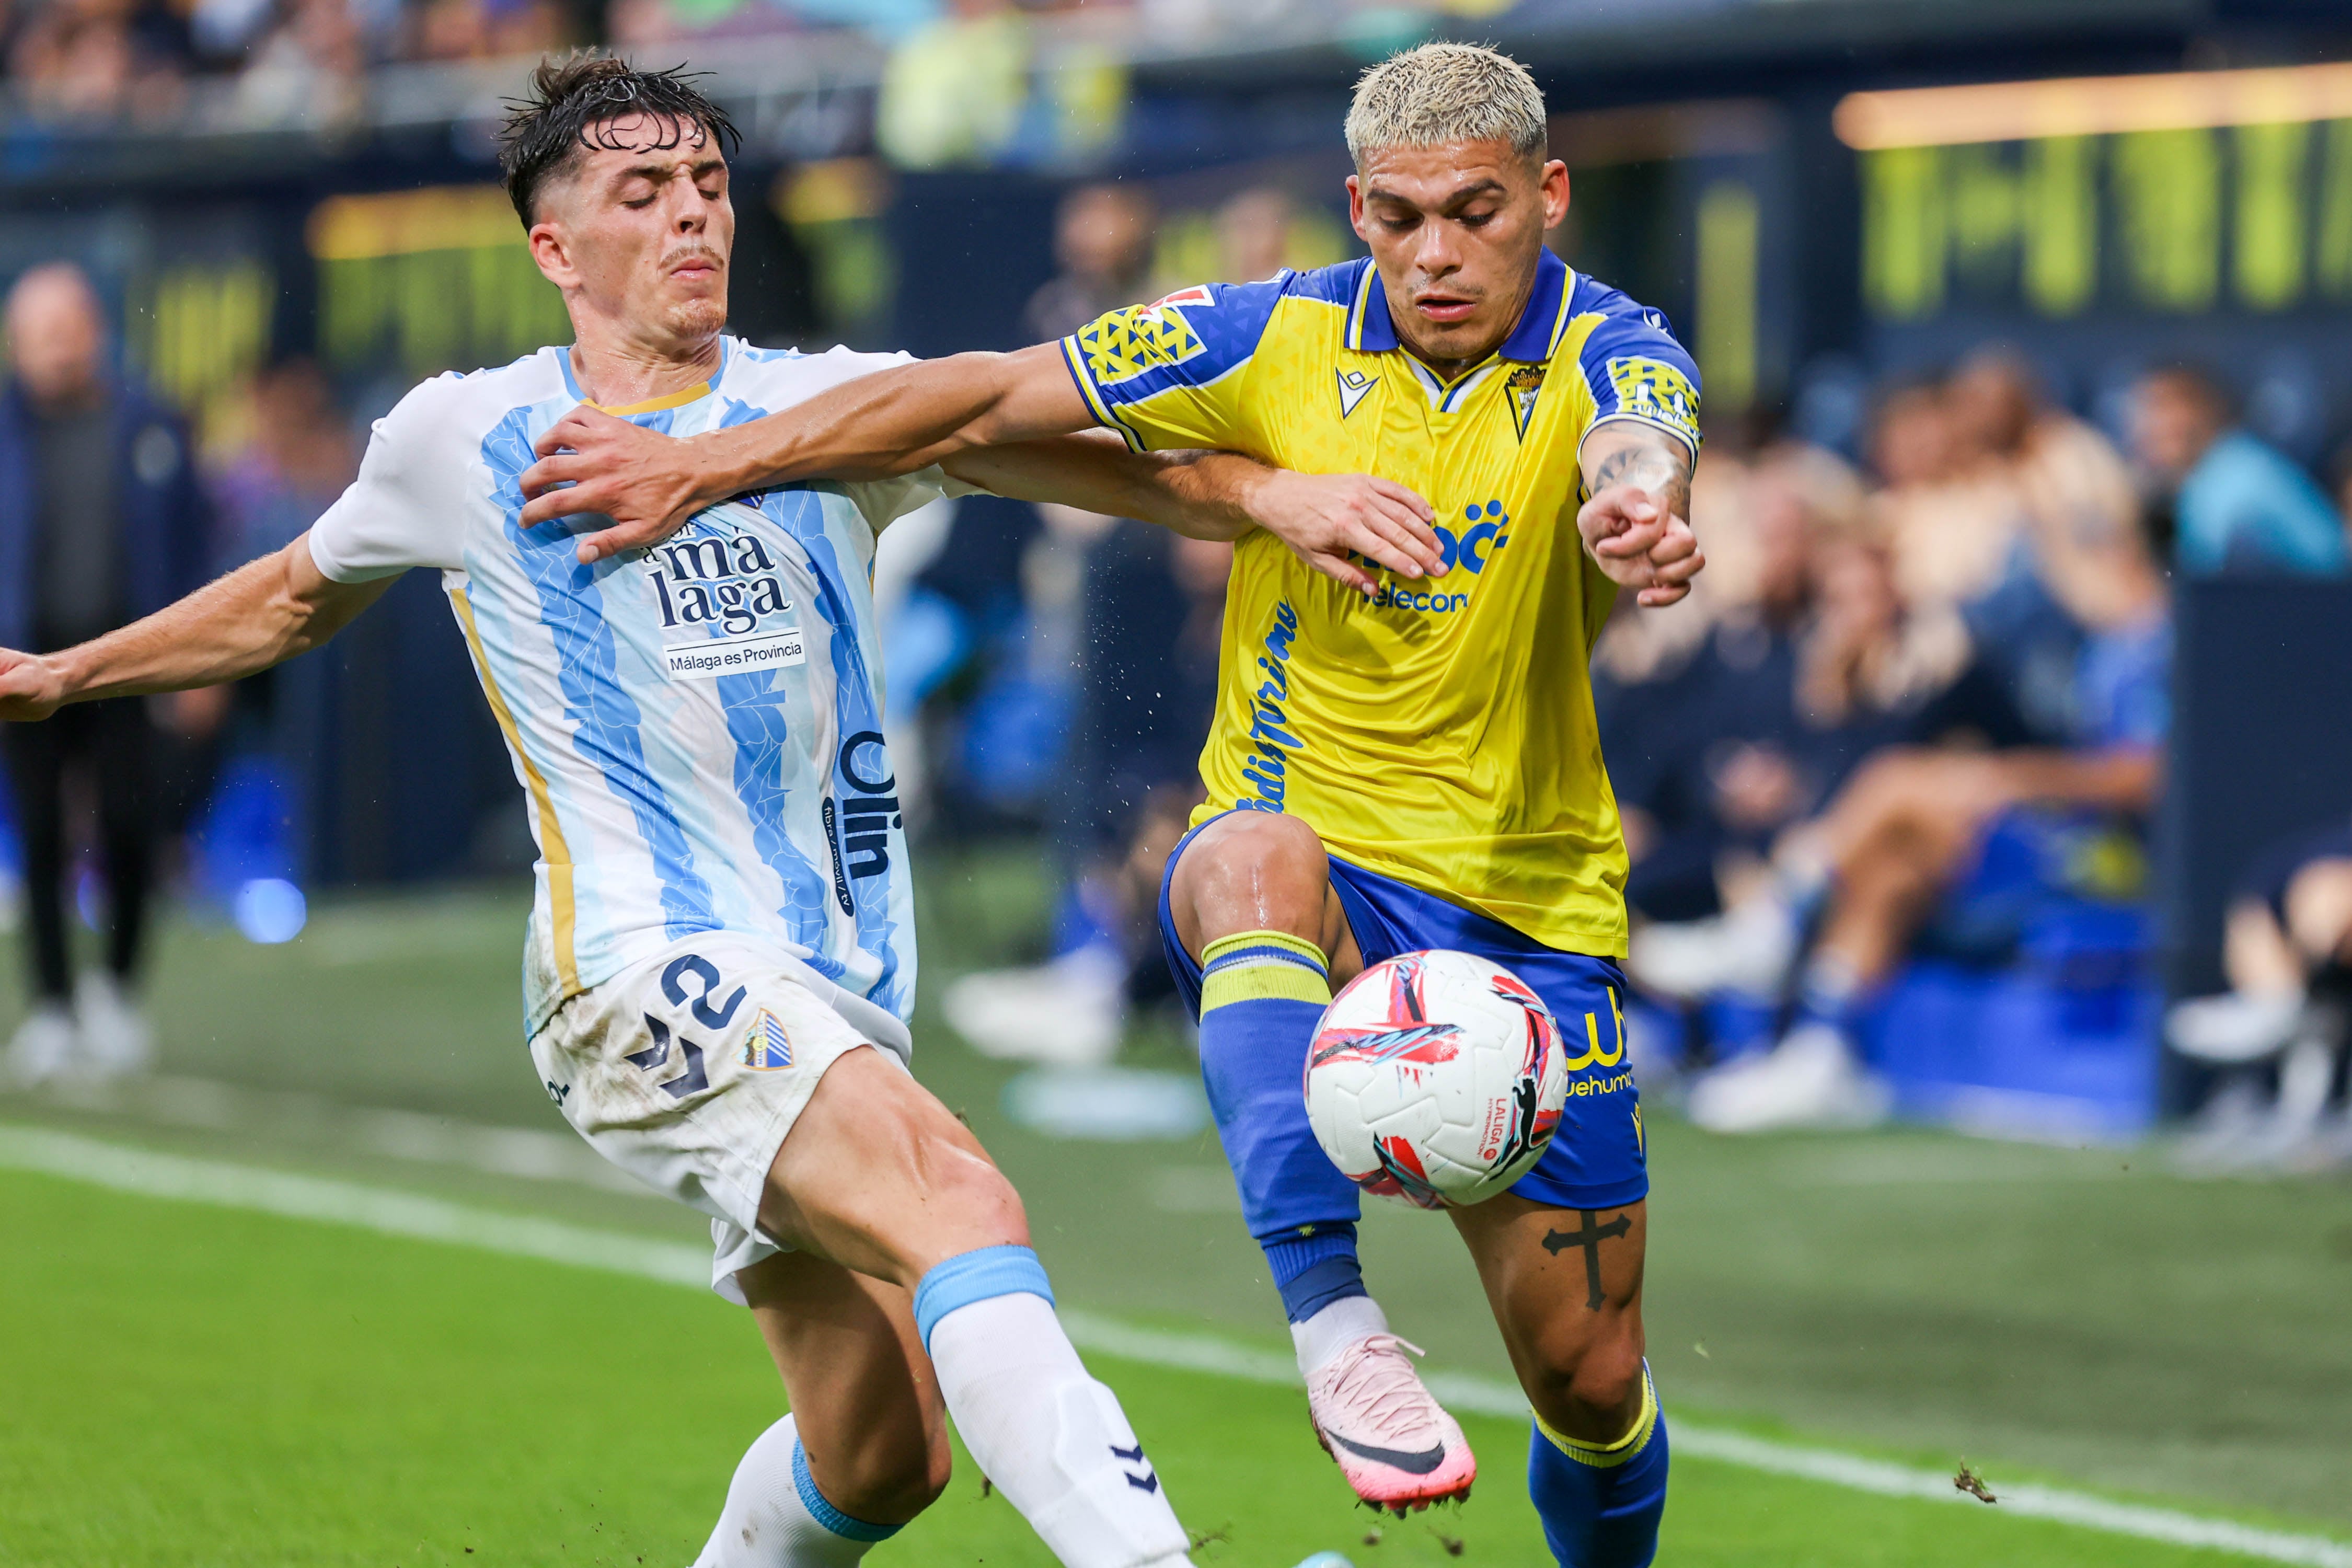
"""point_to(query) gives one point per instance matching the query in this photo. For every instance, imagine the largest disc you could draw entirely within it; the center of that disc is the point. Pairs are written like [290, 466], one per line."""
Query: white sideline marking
[378, 1209]
[390, 1213]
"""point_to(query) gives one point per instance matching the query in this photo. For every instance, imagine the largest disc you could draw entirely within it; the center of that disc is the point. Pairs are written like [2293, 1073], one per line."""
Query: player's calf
[1566, 1288]
[878, 1175]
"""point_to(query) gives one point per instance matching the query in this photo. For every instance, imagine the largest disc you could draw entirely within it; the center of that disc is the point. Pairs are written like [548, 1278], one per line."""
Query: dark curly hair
[572, 104]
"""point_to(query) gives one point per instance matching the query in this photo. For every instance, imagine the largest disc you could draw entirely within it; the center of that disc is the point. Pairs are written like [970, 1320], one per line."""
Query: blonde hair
[1438, 93]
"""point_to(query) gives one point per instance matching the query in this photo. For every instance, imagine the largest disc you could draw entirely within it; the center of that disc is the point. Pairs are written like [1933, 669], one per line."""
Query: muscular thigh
[876, 1175]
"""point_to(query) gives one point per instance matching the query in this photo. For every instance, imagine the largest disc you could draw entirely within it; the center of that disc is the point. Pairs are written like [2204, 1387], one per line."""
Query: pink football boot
[1396, 1446]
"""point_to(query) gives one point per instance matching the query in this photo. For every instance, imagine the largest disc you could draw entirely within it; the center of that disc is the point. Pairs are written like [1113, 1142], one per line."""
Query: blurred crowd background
[1996, 774]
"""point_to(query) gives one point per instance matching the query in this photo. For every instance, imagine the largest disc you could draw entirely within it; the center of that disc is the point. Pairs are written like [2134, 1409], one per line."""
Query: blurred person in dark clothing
[969, 608]
[1150, 610]
[102, 521]
[2237, 505]
[300, 457]
[1703, 737]
[1102, 241]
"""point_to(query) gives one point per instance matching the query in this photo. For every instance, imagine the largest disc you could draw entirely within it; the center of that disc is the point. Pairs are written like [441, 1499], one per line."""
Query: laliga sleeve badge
[766, 1048]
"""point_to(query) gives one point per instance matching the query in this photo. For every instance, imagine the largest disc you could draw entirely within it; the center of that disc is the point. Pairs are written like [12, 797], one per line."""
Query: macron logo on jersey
[1353, 385]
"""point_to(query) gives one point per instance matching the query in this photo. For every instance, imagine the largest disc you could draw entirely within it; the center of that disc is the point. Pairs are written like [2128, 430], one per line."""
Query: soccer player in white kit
[720, 962]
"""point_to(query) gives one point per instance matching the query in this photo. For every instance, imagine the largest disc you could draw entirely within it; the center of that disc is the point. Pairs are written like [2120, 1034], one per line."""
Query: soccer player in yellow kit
[1412, 764]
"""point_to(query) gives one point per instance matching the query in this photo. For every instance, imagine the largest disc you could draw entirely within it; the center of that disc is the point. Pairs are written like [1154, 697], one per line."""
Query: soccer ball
[1435, 1078]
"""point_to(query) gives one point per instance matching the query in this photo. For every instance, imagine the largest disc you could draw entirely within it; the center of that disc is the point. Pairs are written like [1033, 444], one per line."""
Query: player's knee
[1583, 1375]
[977, 1197]
[1264, 860]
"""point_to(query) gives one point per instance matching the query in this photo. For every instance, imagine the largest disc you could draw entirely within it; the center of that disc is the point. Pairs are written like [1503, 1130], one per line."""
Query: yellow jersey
[1440, 732]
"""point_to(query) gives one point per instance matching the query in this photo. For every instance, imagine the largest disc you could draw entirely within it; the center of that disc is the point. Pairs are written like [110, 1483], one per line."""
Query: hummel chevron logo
[1146, 1482]
[1353, 385]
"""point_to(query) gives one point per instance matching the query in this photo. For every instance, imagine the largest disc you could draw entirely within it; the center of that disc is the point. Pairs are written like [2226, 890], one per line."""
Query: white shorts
[688, 1069]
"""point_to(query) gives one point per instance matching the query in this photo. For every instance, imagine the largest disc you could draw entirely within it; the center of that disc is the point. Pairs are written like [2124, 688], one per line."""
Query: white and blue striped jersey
[698, 726]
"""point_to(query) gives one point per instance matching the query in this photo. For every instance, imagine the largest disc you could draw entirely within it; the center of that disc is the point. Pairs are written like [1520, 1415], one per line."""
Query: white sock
[1334, 1328]
[768, 1522]
[1053, 1439]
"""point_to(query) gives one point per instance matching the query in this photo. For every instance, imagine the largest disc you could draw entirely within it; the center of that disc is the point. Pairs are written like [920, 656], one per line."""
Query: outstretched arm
[1637, 524]
[262, 614]
[1323, 517]
[892, 422]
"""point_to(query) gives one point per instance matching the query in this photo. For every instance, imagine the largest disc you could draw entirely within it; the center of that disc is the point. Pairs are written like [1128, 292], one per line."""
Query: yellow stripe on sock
[1269, 978]
[1609, 1456]
[1282, 939]
[1262, 982]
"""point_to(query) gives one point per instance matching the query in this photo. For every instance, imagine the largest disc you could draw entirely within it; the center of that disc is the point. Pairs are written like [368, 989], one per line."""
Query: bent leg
[1250, 902]
[877, 1176]
[1257, 934]
[865, 1448]
[1566, 1289]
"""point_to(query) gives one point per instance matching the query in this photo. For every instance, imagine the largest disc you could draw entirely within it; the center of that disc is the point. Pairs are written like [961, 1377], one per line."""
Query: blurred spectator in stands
[1898, 841]
[101, 59]
[1948, 516]
[300, 457]
[1979, 480]
[2277, 1035]
[1254, 231]
[101, 520]
[309, 68]
[2237, 505]
[954, 91]
[486, 29]
[1102, 242]
[1709, 754]
[1150, 613]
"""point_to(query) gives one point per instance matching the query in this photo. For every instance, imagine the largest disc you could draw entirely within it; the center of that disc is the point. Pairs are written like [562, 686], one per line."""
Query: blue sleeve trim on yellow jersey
[1634, 366]
[1190, 338]
[1074, 361]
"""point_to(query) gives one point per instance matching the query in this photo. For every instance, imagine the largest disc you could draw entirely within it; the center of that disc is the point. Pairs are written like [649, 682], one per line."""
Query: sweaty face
[1455, 231]
[642, 228]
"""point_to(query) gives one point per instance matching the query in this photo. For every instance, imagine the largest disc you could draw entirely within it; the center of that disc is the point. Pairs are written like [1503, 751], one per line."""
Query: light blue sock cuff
[977, 1276]
[824, 1514]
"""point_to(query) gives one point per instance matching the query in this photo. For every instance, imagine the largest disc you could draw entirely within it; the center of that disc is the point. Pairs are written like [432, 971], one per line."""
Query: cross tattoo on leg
[1590, 1238]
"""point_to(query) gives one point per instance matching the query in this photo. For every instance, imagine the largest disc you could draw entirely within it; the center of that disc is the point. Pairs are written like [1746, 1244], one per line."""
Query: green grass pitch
[192, 1387]
[182, 1384]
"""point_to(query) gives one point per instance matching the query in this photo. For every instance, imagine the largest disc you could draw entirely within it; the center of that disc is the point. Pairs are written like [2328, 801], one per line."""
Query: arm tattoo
[1653, 463]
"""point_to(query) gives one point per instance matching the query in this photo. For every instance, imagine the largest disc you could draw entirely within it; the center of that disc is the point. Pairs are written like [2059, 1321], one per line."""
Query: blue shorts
[1597, 1159]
